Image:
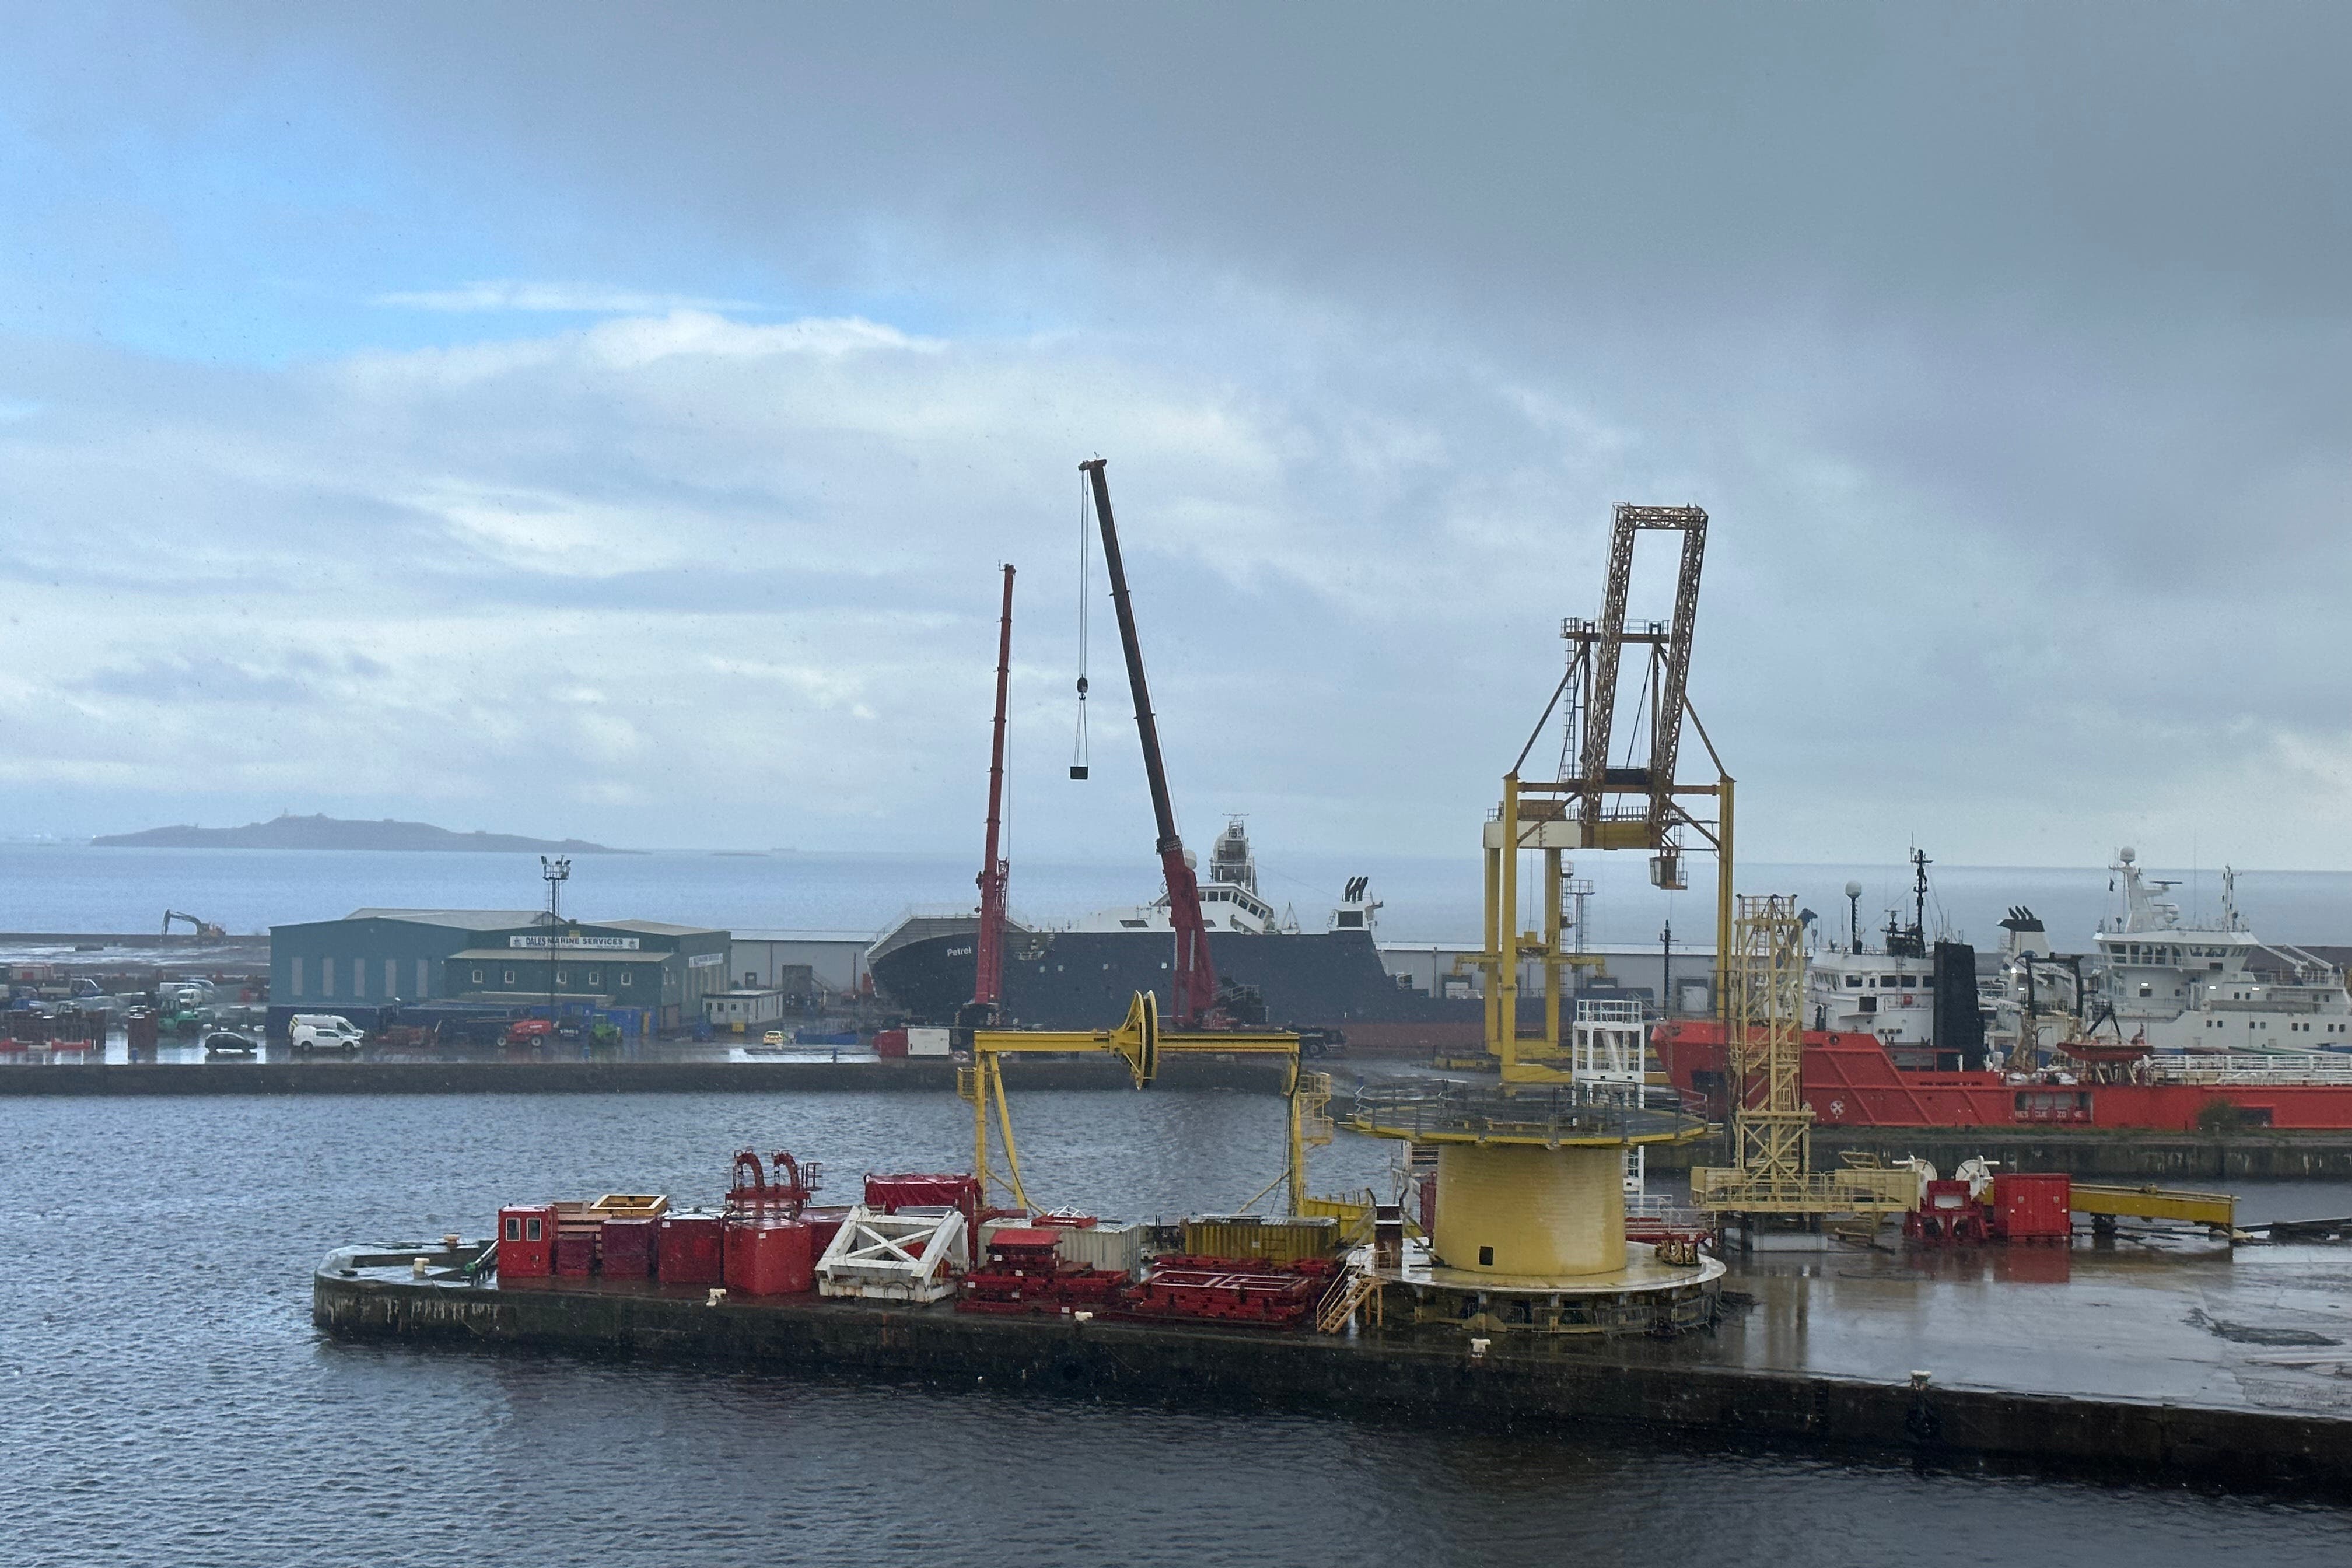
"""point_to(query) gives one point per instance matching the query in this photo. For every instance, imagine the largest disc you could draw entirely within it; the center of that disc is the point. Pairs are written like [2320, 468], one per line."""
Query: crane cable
[1086, 508]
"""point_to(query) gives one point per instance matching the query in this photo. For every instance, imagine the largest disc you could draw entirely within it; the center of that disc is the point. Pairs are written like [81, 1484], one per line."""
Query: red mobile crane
[1194, 984]
[988, 947]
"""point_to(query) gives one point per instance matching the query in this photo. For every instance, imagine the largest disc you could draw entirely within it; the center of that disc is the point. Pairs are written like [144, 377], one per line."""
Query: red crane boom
[995, 873]
[1194, 983]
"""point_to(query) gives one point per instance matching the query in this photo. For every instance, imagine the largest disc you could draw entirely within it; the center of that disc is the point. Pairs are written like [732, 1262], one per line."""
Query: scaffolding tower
[1763, 1056]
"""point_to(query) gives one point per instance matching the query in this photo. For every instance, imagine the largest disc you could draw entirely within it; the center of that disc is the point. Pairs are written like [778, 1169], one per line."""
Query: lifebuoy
[1910, 1000]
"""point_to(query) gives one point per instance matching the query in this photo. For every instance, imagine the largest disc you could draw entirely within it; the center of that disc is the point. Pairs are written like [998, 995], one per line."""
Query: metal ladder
[1339, 1302]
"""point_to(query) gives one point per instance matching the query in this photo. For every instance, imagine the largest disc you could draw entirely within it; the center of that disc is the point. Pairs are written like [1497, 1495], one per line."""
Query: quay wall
[597, 1078]
[1421, 1378]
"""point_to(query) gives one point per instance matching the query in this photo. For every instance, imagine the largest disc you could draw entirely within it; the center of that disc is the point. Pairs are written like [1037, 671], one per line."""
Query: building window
[563, 977]
[478, 977]
[595, 977]
[509, 978]
[296, 989]
[625, 978]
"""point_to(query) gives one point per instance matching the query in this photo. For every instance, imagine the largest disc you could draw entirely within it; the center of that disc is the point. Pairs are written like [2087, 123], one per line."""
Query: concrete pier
[329, 1076]
[1425, 1376]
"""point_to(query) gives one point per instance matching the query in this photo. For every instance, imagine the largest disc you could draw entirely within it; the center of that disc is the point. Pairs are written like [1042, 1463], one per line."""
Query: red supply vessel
[691, 1249]
[769, 1255]
[628, 1250]
[527, 1241]
[1850, 1081]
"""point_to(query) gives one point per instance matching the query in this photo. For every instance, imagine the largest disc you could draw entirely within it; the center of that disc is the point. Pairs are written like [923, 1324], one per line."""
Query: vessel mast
[1194, 977]
[988, 947]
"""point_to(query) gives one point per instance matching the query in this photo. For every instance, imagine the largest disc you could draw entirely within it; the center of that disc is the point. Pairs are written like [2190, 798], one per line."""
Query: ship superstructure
[2183, 987]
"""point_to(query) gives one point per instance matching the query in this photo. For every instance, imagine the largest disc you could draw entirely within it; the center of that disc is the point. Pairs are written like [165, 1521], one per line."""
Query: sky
[610, 421]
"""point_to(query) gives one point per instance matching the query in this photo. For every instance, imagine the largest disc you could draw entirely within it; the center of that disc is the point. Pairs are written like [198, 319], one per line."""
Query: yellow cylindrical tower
[1528, 1211]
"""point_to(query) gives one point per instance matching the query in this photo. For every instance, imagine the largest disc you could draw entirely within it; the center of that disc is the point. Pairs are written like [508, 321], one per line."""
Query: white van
[323, 1032]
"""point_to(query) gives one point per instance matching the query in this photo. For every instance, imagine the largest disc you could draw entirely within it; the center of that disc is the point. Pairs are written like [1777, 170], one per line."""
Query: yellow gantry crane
[1595, 805]
[1142, 1045]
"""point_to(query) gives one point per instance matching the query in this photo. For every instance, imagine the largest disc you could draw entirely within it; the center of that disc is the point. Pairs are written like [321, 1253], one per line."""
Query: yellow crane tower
[1595, 805]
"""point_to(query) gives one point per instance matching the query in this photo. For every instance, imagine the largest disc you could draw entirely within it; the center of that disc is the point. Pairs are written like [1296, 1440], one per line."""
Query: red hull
[1850, 1081]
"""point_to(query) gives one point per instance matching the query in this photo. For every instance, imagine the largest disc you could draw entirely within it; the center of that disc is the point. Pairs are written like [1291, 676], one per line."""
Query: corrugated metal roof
[456, 920]
[652, 928]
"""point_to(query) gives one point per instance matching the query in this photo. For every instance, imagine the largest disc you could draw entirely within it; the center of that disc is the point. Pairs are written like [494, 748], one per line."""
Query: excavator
[199, 929]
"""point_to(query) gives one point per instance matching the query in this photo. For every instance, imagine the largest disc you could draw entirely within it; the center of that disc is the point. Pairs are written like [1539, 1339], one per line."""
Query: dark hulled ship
[1330, 981]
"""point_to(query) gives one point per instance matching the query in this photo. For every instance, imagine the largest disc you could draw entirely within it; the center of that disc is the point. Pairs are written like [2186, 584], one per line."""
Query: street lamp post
[556, 870]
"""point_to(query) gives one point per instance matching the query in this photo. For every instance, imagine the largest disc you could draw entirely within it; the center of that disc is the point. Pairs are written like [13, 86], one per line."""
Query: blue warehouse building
[376, 960]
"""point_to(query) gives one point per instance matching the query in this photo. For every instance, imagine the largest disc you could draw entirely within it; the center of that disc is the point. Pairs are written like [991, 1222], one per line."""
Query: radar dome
[2126, 854]
[1853, 889]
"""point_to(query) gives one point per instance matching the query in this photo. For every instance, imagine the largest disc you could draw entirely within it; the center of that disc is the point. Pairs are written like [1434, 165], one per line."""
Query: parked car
[774, 1037]
[323, 1032]
[225, 1044]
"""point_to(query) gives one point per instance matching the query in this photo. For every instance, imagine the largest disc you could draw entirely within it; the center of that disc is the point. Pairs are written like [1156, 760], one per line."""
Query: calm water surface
[168, 1403]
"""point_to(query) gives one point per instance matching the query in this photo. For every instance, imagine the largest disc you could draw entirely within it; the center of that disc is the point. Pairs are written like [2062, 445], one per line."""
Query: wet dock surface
[2178, 1321]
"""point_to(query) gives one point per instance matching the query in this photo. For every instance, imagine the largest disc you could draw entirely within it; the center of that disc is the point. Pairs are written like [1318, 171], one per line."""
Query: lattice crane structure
[1771, 1127]
[1595, 803]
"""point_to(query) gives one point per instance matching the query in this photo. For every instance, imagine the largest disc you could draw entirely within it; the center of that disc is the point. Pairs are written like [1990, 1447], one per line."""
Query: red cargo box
[769, 1258]
[892, 1194]
[823, 1225]
[527, 1241]
[575, 1253]
[2033, 1206]
[890, 1042]
[628, 1250]
[691, 1249]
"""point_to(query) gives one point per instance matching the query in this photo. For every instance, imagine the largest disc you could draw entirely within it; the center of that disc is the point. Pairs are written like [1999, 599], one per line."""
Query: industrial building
[769, 960]
[374, 958]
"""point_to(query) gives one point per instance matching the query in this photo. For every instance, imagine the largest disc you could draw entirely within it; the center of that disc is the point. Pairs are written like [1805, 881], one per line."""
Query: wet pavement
[2159, 1317]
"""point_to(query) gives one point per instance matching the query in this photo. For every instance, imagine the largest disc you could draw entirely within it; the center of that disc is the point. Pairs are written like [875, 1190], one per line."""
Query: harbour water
[1427, 899]
[170, 1402]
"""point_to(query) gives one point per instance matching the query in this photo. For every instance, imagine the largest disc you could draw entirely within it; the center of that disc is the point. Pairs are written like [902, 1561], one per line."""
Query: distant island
[333, 833]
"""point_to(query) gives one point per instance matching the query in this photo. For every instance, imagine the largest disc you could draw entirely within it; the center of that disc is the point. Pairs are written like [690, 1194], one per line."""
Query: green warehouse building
[374, 959]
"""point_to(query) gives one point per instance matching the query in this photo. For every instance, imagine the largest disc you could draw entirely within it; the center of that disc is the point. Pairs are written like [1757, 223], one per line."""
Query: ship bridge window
[1853, 982]
[2147, 991]
[1891, 982]
[1350, 917]
[1926, 982]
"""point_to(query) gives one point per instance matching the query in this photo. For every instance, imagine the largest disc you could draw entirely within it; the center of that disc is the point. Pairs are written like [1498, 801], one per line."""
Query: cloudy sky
[609, 421]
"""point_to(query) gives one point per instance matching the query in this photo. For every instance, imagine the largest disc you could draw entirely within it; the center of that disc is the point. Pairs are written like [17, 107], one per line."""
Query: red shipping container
[890, 1042]
[576, 1252]
[823, 1225]
[2033, 1206]
[769, 1258]
[628, 1251]
[527, 1241]
[691, 1249]
[892, 1194]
